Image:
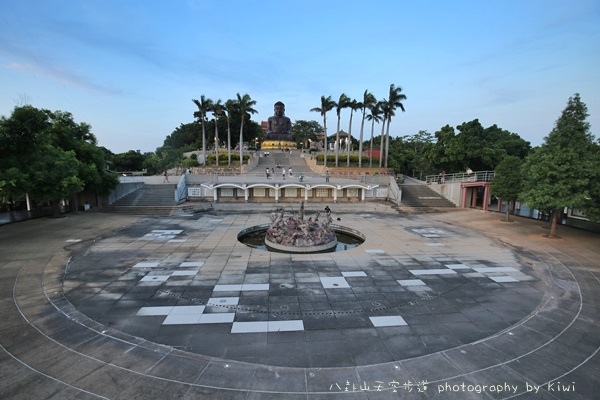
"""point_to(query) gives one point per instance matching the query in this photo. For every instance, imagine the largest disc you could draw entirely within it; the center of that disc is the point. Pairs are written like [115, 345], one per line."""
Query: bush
[189, 162]
[211, 159]
[343, 159]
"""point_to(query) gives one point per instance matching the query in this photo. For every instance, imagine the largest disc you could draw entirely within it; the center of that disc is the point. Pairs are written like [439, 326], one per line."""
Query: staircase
[158, 200]
[423, 198]
[297, 163]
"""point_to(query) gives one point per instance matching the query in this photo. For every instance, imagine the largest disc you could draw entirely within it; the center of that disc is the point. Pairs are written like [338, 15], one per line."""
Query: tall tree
[565, 170]
[245, 106]
[185, 136]
[385, 111]
[438, 153]
[51, 157]
[20, 137]
[217, 112]
[339, 105]
[411, 153]
[326, 105]
[204, 106]
[507, 183]
[353, 105]
[230, 107]
[132, 160]
[368, 103]
[55, 175]
[374, 116]
[395, 99]
[305, 130]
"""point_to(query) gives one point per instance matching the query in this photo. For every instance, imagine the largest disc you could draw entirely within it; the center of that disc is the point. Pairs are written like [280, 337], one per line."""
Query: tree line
[47, 155]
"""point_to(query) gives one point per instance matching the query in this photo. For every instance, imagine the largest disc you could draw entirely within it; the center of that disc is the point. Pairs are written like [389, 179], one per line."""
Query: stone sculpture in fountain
[299, 235]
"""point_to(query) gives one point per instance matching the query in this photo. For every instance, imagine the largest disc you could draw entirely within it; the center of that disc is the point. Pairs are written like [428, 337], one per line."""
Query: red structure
[469, 191]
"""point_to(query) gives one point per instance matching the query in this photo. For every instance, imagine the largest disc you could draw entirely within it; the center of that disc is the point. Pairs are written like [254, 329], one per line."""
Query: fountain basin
[297, 249]
[346, 238]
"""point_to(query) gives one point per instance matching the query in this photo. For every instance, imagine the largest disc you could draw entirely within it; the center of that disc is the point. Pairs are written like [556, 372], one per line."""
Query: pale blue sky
[131, 68]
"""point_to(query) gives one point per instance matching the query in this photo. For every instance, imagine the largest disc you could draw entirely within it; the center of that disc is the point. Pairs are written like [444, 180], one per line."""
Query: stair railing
[181, 191]
[394, 192]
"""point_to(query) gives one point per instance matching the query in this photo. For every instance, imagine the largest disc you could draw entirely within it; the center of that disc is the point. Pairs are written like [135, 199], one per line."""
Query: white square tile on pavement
[334, 282]
[389, 320]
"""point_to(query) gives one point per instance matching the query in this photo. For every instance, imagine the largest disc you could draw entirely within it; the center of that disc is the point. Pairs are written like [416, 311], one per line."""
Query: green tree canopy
[507, 183]
[409, 153]
[132, 160]
[304, 130]
[50, 156]
[474, 146]
[185, 137]
[565, 170]
[439, 154]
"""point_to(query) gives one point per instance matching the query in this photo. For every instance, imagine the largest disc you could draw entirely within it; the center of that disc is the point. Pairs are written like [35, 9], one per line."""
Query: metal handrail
[476, 176]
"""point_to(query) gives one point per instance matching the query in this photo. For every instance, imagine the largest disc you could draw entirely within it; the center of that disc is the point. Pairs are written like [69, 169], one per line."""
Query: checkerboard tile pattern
[200, 314]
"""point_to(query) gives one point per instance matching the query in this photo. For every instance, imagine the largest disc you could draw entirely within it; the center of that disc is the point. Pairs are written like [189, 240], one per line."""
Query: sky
[130, 69]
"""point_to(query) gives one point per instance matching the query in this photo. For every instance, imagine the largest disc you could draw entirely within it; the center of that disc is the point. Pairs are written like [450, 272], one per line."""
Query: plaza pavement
[447, 305]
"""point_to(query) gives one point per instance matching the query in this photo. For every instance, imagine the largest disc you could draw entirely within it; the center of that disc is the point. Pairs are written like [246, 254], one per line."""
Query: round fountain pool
[346, 239]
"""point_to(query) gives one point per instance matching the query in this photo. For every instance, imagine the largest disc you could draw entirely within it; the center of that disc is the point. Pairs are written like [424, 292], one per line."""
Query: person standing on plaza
[283, 173]
[290, 171]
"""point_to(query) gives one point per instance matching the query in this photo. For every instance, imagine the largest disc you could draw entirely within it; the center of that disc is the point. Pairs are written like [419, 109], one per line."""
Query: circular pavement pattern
[446, 305]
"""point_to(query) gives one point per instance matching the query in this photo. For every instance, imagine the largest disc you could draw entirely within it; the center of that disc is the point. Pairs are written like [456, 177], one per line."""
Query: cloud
[61, 75]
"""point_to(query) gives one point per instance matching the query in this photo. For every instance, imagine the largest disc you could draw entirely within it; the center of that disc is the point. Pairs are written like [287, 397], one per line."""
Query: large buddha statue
[279, 127]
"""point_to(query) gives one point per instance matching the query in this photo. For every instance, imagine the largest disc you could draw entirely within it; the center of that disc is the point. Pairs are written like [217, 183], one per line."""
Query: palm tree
[245, 104]
[326, 105]
[368, 102]
[204, 106]
[230, 106]
[341, 103]
[353, 105]
[394, 100]
[385, 111]
[373, 116]
[217, 110]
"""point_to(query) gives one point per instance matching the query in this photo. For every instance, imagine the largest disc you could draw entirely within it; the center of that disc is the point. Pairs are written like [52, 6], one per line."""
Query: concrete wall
[451, 191]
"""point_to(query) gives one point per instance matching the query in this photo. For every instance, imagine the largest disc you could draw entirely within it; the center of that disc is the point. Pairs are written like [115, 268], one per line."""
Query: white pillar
[245, 193]
[306, 189]
[215, 194]
[335, 189]
[362, 194]
[276, 193]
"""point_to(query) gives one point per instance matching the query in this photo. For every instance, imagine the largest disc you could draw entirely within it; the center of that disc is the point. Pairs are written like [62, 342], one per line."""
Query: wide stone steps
[421, 196]
[149, 195]
[286, 160]
[158, 211]
[158, 200]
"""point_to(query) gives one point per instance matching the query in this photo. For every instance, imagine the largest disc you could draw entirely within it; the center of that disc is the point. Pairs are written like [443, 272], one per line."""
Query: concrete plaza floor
[447, 305]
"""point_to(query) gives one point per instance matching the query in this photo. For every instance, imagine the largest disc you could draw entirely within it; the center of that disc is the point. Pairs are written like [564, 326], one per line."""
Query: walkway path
[176, 308]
